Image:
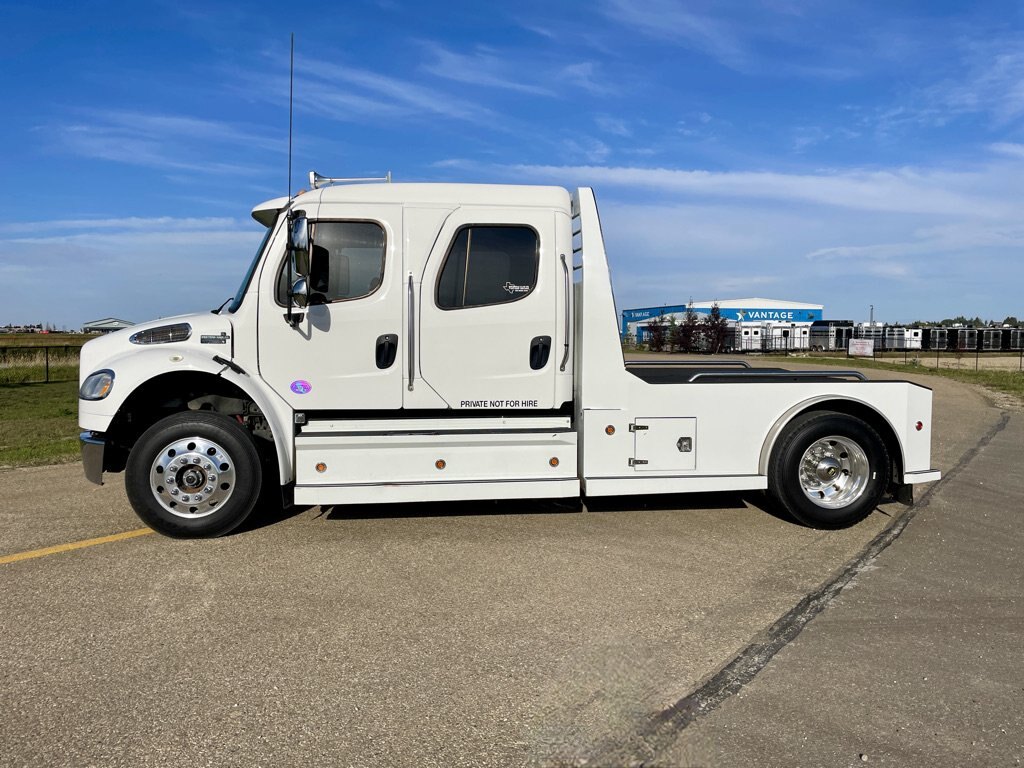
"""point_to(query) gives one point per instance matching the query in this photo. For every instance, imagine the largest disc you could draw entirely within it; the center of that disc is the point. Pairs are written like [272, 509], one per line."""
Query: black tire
[828, 470]
[210, 465]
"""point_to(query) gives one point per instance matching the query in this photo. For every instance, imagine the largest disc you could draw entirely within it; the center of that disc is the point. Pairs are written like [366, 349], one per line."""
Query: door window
[488, 265]
[346, 262]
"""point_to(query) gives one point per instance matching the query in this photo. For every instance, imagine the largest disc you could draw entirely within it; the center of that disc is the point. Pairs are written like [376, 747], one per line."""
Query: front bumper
[93, 445]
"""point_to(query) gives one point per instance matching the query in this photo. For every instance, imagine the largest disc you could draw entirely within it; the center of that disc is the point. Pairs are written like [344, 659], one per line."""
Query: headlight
[97, 385]
[162, 335]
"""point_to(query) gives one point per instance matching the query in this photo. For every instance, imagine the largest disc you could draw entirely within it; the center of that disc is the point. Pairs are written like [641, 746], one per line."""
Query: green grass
[44, 339]
[38, 424]
[28, 365]
[1010, 382]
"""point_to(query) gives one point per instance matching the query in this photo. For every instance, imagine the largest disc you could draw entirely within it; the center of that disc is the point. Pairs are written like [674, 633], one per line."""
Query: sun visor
[265, 213]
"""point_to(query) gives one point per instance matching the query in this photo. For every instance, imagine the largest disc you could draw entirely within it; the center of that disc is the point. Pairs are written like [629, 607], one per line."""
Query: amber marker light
[609, 430]
[321, 467]
[553, 461]
[440, 464]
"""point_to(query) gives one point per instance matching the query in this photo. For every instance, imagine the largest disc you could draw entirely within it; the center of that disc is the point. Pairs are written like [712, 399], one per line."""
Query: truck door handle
[410, 337]
[568, 314]
[387, 350]
[540, 348]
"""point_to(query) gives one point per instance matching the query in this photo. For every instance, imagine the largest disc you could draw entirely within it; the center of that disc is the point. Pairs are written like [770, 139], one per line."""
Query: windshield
[237, 301]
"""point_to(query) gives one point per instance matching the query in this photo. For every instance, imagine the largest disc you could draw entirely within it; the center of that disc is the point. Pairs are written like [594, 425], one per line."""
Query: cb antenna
[291, 93]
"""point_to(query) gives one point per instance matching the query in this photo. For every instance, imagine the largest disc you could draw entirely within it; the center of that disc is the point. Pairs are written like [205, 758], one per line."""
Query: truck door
[345, 351]
[487, 325]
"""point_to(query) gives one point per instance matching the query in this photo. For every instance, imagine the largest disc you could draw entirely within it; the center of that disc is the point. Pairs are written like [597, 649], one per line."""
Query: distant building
[21, 328]
[772, 315]
[106, 325]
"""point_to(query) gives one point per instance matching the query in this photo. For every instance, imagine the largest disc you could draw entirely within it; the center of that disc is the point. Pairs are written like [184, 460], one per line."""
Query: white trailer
[415, 342]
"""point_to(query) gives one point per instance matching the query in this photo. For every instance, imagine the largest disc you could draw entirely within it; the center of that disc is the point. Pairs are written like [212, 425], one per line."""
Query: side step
[369, 468]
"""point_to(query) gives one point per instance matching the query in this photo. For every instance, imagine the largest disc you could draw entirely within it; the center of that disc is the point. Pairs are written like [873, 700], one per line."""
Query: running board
[433, 426]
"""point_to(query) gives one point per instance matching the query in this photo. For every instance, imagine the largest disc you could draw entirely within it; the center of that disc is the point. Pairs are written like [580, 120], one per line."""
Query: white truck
[423, 342]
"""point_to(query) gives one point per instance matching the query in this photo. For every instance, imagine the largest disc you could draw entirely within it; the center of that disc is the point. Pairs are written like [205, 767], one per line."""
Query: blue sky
[842, 153]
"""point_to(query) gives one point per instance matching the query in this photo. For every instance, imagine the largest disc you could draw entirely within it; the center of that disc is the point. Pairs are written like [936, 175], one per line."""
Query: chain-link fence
[35, 365]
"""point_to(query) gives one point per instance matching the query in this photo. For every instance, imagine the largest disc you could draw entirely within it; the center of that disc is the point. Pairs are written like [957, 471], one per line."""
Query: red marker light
[919, 426]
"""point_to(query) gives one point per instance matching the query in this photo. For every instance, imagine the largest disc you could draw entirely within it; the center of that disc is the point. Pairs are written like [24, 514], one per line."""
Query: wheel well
[876, 421]
[174, 393]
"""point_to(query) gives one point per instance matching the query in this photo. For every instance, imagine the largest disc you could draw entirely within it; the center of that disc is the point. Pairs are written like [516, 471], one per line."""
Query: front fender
[134, 367]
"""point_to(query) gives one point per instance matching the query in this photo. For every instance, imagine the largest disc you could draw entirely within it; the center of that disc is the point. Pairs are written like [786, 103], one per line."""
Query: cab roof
[426, 194]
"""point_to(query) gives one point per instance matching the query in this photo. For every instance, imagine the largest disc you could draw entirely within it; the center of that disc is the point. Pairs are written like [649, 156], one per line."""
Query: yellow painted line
[73, 545]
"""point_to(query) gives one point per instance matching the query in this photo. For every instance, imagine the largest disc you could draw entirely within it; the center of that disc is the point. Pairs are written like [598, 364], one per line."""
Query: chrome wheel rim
[192, 477]
[834, 472]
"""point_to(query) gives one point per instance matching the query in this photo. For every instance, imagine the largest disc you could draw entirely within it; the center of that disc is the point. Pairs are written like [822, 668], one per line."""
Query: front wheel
[193, 475]
[828, 469]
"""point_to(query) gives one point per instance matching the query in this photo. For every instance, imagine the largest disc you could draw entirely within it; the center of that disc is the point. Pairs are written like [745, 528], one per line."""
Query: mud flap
[904, 494]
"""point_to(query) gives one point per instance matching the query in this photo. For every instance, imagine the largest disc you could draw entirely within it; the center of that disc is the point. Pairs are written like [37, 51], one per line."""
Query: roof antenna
[291, 213]
[291, 92]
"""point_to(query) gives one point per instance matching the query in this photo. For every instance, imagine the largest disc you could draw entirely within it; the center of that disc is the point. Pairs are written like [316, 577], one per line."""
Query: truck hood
[209, 331]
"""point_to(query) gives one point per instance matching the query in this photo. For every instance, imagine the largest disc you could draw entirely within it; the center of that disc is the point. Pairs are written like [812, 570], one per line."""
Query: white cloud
[585, 75]
[164, 142]
[1008, 149]
[134, 268]
[128, 223]
[613, 125]
[381, 96]
[891, 191]
[484, 67]
[668, 20]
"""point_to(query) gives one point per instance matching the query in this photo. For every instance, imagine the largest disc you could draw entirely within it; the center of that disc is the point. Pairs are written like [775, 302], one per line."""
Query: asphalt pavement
[513, 633]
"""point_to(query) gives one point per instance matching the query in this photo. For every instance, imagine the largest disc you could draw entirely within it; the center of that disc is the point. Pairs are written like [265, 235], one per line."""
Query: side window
[488, 265]
[346, 262]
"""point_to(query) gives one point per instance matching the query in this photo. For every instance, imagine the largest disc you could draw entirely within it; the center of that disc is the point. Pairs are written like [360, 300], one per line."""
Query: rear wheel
[193, 475]
[828, 469]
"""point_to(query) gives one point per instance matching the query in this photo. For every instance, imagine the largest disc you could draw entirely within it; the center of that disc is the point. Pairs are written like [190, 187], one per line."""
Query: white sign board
[862, 348]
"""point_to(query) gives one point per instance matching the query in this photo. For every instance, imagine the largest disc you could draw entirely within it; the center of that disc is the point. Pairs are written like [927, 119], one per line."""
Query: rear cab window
[488, 265]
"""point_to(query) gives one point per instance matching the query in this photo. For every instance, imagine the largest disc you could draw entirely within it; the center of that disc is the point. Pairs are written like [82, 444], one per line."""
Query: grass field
[28, 365]
[1008, 381]
[44, 339]
[38, 424]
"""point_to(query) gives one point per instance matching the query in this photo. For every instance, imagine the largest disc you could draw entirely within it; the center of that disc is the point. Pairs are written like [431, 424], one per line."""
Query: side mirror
[300, 293]
[298, 244]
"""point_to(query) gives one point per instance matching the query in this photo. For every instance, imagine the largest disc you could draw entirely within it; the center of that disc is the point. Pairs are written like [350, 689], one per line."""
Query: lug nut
[196, 460]
[208, 489]
[174, 491]
[213, 478]
[185, 497]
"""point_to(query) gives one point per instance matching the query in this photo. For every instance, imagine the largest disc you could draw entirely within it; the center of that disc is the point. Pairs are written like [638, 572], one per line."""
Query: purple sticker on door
[301, 387]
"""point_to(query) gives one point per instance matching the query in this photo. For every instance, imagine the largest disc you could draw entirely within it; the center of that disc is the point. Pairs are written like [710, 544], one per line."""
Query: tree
[685, 332]
[656, 333]
[670, 333]
[1011, 321]
[715, 329]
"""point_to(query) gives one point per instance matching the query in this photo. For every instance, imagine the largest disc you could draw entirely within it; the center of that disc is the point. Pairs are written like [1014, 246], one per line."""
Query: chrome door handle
[410, 342]
[568, 288]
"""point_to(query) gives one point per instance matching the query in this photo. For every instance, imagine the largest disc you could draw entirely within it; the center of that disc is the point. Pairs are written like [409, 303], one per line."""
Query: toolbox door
[664, 444]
